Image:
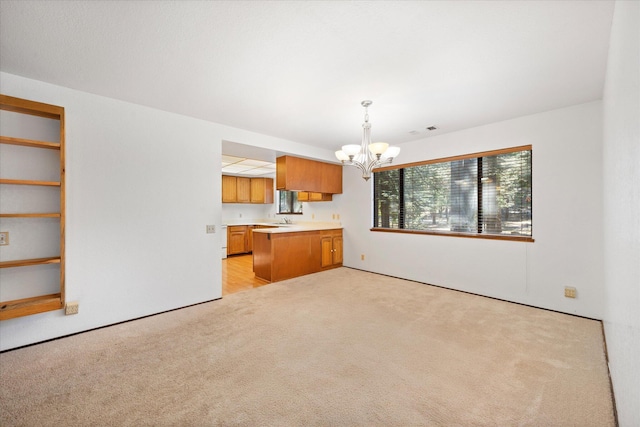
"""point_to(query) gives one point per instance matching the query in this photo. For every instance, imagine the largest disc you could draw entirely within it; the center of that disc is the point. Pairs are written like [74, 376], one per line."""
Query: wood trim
[18, 105]
[30, 215]
[63, 204]
[28, 306]
[455, 158]
[29, 182]
[29, 142]
[29, 262]
[452, 234]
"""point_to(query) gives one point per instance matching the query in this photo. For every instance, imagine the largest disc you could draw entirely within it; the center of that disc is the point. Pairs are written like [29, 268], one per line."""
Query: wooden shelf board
[29, 142]
[28, 262]
[29, 182]
[30, 215]
[28, 306]
[18, 105]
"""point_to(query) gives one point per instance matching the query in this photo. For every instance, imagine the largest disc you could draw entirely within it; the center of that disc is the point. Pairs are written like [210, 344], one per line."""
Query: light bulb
[341, 155]
[378, 147]
[351, 149]
[391, 152]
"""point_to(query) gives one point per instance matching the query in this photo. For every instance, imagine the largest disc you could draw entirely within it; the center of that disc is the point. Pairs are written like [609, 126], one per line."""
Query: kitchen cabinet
[262, 190]
[306, 196]
[243, 190]
[280, 256]
[229, 189]
[298, 174]
[236, 239]
[240, 238]
[238, 189]
[248, 244]
[331, 248]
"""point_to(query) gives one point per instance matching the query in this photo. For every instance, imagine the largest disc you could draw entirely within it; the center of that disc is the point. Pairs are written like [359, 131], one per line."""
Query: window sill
[451, 234]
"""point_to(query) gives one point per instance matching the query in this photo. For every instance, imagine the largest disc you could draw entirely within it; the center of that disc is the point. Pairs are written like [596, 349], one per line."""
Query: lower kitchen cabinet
[240, 238]
[331, 249]
[236, 239]
[280, 256]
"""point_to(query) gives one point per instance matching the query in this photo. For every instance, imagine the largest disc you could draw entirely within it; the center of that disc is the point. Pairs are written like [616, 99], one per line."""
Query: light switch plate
[211, 228]
[4, 238]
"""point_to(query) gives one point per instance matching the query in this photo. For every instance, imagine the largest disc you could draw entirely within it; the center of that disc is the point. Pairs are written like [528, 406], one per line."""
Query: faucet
[286, 220]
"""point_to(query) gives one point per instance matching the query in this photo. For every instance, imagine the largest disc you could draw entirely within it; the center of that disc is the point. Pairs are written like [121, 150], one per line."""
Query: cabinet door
[243, 190]
[268, 190]
[249, 236]
[228, 189]
[236, 243]
[331, 178]
[337, 250]
[257, 190]
[327, 251]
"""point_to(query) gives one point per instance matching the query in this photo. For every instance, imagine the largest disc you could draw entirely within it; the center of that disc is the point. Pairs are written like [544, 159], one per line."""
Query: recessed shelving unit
[33, 304]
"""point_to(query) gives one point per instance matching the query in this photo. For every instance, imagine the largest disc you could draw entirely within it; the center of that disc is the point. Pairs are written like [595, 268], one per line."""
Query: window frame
[290, 202]
[448, 160]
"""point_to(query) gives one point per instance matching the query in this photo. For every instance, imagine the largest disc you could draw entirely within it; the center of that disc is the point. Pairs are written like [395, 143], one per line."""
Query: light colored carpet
[339, 348]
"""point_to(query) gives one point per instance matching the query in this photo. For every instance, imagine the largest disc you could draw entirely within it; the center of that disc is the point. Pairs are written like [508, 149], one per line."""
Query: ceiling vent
[431, 128]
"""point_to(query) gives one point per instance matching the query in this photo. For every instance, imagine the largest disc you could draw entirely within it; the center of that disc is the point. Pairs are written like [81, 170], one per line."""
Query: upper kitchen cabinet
[247, 190]
[229, 189]
[297, 174]
[243, 190]
[261, 190]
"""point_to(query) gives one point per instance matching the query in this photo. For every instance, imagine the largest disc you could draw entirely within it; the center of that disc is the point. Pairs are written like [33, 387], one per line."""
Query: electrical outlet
[569, 292]
[4, 238]
[362, 257]
[337, 216]
[71, 308]
[211, 228]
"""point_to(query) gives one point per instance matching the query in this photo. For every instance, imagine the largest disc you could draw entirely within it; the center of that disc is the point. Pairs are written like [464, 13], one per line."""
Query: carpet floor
[338, 348]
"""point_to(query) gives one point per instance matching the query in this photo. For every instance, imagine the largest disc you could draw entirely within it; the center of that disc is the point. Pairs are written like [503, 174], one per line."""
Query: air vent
[431, 128]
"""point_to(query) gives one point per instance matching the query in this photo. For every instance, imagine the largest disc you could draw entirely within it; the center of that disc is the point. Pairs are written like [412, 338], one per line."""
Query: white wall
[621, 158]
[141, 186]
[567, 218]
[240, 212]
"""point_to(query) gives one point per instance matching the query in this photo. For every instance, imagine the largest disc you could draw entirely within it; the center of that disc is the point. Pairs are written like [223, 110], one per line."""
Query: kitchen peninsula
[286, 252]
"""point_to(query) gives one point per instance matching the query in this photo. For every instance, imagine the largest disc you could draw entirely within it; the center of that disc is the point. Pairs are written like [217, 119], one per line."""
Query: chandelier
[367, 155]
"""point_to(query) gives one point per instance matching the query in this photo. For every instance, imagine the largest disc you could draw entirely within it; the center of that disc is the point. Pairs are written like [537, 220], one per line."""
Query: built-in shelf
[29, 182]
[28, 306]
[29, 143]
[30, 215]
[36, 303]
[28, 262]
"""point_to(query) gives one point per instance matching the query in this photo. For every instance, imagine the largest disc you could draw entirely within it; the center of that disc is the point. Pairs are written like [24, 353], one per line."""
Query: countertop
[294, 228]
[290, 228]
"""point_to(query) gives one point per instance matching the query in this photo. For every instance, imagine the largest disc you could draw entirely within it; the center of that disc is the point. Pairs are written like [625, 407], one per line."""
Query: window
[479, 195]
[288, 203]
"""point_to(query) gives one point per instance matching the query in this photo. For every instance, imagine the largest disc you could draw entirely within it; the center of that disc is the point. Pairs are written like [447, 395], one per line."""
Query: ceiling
[242, 166]
[299, 70]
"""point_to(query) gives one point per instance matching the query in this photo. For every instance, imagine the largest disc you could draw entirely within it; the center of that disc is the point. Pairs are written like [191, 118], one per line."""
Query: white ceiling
[298, 70]
[242, 166]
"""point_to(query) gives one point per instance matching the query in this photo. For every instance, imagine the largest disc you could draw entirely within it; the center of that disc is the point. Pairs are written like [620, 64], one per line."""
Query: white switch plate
[211, 228]
[4, 238]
